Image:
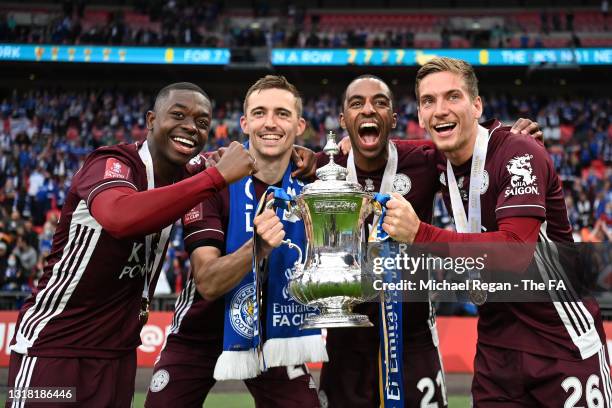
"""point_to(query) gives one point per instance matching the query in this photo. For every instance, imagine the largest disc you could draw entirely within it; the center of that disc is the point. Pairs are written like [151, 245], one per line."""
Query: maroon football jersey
[417, 181]
[520, 181]
[197, 325]
[88, 300]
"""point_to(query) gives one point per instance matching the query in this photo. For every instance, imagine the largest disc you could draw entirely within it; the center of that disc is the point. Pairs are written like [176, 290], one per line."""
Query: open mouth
[369, 133]
[444, 129]
[183, 144]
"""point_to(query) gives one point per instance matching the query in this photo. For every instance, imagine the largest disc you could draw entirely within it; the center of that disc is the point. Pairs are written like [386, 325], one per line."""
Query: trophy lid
[332, 177]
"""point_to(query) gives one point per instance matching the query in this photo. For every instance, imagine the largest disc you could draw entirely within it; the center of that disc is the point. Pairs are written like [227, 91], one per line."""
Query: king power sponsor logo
[135, 267]
[522, 180]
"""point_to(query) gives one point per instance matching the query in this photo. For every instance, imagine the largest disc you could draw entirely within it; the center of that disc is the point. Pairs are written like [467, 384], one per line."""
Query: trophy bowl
[332, 278]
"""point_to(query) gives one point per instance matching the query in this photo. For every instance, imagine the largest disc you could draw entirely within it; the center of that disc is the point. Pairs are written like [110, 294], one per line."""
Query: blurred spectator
[204, 24]
[27, 256]
[3, 261]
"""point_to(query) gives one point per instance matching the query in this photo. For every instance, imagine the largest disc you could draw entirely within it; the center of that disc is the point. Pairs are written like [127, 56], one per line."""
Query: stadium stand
[214, 25]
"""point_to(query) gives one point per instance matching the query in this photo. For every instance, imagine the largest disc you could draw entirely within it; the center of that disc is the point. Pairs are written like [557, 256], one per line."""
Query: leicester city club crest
[485, 182]
[402, 184]
[242, 311]
[159, 380]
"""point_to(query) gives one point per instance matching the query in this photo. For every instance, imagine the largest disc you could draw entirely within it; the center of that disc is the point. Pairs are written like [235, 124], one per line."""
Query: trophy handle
[283, 200]
[380, 209]
[296, 247]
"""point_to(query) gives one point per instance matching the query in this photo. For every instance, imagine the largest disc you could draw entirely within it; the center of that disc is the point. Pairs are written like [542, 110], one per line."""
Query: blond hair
[445, 64]
[275, 82]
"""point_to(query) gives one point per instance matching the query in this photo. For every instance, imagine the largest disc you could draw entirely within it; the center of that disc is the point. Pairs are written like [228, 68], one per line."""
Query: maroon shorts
[350, 379]
[96, 382]
[511, 378]
[184, 380]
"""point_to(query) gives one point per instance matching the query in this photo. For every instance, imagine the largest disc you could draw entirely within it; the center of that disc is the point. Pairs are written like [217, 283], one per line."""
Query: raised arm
[124, 212]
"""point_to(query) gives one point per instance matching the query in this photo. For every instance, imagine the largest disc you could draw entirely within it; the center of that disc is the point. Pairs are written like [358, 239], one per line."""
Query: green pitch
[244, 400]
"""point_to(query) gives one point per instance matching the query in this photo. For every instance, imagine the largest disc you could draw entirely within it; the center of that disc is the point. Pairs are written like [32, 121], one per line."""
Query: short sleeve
[203, 224]
[101, 173]
[524, 177]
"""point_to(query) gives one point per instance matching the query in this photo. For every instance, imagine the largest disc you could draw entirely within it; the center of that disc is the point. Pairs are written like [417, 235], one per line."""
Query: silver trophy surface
[331, 278]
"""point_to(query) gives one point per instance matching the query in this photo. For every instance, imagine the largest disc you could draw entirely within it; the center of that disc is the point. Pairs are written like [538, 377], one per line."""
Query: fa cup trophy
[332, 278]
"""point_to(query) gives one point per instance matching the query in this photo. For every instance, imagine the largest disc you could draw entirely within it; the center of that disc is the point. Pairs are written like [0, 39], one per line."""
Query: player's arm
[515, 230]
[345, 143]
[304, 159]
[124, 212]
[510, 248]
[522, 126]
[216, 275]
[402, 224]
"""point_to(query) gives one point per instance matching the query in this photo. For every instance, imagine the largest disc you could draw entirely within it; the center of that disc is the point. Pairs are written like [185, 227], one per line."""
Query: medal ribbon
[473, 222]
[391, 372]
[386, 185]
[158, 252]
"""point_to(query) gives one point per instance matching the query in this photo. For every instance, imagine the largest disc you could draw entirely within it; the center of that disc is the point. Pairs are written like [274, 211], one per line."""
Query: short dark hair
[178, 86]
[367, 76]
[274, 82]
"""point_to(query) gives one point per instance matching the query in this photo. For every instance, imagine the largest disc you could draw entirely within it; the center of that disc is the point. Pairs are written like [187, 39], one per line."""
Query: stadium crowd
[209, 24]
[45, 136]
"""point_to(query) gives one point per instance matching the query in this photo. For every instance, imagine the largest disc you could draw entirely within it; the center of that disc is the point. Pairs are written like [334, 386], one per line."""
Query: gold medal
[478, 296]
[143, 316]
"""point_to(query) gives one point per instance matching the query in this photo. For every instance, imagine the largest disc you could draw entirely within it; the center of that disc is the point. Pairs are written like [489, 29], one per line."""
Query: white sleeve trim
[204, 230]
[107, 183]
[520, 206]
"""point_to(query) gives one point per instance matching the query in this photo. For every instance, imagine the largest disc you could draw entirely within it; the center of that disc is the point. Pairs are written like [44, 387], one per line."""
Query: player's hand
[528, 127]
[305, 161]
[400, 222]
[204, 160]
[212, 158]
[345, 145]
[197, 164]
[236, 163]
[270, 231]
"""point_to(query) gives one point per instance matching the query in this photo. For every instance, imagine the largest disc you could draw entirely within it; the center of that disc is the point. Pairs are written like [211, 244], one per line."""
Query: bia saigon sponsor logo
[522, 180]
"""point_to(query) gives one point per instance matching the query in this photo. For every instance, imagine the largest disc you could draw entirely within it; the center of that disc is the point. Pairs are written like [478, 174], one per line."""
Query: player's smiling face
[368, 117]
[447, 111]
[272, 122]
[180, 125]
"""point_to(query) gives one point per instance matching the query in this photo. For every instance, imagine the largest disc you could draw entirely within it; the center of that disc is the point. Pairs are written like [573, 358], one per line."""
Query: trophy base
[336, 319]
